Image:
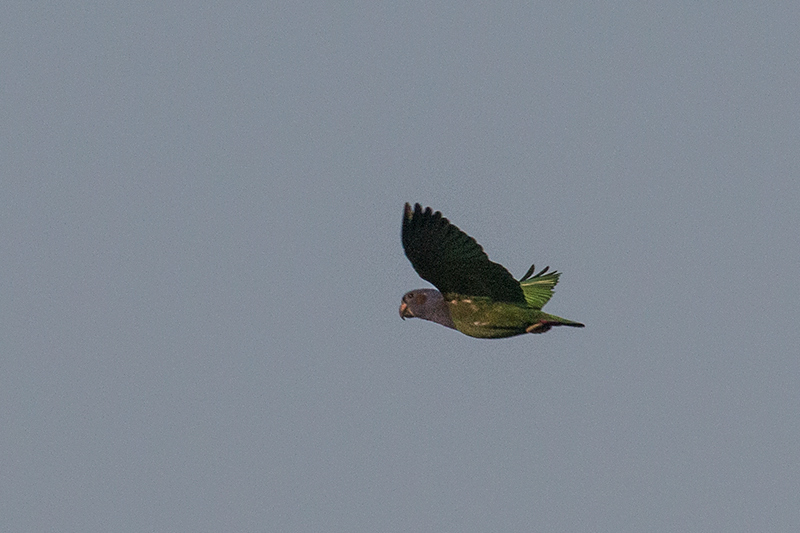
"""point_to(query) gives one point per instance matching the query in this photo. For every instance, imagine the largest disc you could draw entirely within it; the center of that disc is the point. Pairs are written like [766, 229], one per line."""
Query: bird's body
[476, 296]
[483, 318]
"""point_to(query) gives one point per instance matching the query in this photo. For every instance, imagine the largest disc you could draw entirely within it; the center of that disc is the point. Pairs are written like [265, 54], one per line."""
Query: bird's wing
[538, 289]
[450, 259]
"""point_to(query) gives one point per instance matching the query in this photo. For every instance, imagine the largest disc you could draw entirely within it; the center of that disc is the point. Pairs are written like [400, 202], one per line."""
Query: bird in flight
[475, 296]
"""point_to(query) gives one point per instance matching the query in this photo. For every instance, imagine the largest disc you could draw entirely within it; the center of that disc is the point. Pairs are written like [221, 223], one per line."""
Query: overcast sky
[202, 268]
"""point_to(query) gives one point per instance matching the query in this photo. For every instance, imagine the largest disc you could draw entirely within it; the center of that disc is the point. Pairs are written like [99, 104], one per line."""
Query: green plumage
[481, 297]
[480, 317]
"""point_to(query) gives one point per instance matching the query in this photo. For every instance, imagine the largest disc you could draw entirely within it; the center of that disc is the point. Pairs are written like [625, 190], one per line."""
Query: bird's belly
[489, 320]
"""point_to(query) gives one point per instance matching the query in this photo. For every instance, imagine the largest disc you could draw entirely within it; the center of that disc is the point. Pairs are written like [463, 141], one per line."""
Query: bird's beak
[405, 312]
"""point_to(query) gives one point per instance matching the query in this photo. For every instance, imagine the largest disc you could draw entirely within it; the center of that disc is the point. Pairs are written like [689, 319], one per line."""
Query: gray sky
[202, 266]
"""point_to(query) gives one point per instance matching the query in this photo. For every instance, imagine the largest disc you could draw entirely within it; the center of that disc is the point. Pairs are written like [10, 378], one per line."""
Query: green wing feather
[538, 289]
[453, 261]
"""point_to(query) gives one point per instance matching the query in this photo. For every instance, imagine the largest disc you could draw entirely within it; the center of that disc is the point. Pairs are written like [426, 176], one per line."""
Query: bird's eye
[409, 296]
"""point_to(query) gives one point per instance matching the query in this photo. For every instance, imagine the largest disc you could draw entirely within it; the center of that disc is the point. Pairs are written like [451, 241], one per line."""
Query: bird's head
[413, 304]
[427, 304]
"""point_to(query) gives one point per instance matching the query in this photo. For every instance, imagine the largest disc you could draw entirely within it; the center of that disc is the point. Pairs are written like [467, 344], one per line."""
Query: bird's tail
[549, 321]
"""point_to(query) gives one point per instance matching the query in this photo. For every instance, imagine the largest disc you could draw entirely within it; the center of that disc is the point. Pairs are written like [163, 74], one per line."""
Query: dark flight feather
[452, 260]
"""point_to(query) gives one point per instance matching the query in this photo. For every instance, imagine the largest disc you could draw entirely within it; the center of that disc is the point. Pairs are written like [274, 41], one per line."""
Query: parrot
[475, 296]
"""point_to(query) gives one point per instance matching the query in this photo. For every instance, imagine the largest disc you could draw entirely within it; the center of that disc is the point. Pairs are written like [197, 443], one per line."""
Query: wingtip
[530, 273]
[417, 211]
